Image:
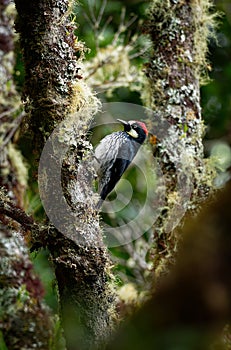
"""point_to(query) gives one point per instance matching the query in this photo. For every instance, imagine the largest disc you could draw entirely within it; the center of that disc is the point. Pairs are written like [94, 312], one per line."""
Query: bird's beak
[122, 121]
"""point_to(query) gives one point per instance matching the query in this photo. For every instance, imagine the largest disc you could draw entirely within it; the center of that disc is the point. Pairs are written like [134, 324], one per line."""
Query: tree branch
[25, 321]
[54, 93]
[179, 33]
[9, 209]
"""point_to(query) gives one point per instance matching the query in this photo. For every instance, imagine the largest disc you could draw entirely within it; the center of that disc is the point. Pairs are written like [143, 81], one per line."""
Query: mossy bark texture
[24, 319]
[53, 92]
[179, 33]
[48, 46]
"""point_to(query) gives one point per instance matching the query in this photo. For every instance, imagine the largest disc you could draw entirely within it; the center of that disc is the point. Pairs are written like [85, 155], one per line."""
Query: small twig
[132, 20]
[138, 53]
[121, 28]
[17, 122]
[39, 232]
[9, 111]
[95, 21]
[91, 24]
[99, 65]
[101, 11]
[12, 211]
[105, 25]
[93, 18]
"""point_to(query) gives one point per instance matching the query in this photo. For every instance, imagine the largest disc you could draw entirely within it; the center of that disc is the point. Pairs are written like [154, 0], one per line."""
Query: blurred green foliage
[216, 95]
[44, 269]
[108, 23]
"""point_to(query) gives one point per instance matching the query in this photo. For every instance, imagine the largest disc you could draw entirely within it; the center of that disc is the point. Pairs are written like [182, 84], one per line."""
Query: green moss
[205, 22]
[18, 164]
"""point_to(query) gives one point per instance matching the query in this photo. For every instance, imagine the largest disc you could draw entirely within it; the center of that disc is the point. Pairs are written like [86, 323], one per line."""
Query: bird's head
[136, 129]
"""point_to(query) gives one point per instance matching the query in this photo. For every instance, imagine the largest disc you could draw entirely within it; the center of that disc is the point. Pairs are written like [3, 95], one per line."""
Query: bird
[115, 152]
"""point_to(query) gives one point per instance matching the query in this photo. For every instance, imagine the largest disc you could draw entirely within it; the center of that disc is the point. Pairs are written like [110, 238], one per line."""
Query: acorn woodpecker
[114, 154]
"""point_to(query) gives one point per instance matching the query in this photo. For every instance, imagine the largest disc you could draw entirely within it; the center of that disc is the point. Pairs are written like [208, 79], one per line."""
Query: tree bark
[25, 321]
[179, 33]
[54, 91]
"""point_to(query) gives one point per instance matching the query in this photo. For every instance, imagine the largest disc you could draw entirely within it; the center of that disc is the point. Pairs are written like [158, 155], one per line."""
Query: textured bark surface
[48, 45]
[24, 319]
[179, 34]
[54, 91]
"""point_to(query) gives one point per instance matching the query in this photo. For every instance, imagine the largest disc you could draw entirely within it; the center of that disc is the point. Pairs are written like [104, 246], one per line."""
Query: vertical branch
[179, 32]
[25, 322]
[54, 91]
[49, 50]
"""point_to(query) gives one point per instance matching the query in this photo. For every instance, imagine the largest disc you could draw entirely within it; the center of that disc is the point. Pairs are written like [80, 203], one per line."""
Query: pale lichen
[112, 68]
[179, 31]
[18, 164]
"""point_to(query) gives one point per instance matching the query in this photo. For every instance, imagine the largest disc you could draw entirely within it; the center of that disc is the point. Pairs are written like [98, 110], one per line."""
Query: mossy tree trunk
[179, 33]
[25, 321]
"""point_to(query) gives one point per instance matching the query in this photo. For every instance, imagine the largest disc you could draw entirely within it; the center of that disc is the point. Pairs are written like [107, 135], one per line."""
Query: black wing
[112, 176]
[114, 154]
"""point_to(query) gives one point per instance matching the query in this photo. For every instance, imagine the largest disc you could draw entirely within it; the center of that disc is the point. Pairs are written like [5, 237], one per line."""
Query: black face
[136, 131]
